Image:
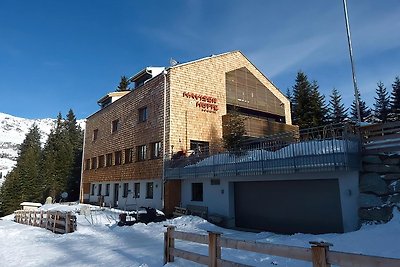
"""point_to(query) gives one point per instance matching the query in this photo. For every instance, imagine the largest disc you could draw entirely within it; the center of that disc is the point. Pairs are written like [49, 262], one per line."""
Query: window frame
[114, 126]
[155, 150]
[107, 193]
[100, 161]
[141, 153]
[125, 190]
[118, 157]
[93, 189]
[143, 114]
[109, 159]
[93, 164]
[128, 155]
[99, 189]
[95, 134]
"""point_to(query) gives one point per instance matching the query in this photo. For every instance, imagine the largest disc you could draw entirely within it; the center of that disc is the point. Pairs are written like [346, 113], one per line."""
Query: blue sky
[56, 55]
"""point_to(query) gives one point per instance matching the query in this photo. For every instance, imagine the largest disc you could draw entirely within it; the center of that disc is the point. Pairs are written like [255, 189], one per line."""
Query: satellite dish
[172, 62]
[64, 195]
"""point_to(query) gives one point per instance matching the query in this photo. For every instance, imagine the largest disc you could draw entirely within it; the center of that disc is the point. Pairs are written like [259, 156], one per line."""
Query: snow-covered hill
[12, 134]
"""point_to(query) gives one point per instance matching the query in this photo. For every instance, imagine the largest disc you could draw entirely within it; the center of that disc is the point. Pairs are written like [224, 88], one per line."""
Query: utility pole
[356, 94]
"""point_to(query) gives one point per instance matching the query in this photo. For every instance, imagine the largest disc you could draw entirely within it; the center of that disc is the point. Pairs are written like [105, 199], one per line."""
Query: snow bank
[99, 242]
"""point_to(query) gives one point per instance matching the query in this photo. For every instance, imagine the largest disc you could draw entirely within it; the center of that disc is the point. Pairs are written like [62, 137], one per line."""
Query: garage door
[307, 206]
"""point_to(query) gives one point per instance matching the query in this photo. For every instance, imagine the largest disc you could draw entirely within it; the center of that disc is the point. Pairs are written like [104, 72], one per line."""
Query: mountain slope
[12, 134]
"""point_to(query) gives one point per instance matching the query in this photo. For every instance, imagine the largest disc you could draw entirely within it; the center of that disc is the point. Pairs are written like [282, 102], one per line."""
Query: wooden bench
[200, 211]
[179, 211]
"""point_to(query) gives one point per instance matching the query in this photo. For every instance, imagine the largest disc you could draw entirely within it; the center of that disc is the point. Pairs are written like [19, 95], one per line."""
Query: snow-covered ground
[99, 242]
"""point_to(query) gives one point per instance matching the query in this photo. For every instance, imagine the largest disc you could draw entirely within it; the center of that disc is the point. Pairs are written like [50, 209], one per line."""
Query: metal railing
[333, 147]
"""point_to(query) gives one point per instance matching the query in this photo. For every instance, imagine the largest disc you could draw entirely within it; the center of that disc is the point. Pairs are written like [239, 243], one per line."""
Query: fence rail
[383, 137]
[55, 221]
[319, 253]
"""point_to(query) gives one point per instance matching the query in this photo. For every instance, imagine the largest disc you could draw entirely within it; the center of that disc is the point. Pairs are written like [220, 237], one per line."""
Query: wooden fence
[55, 221]
[383, 137]
[319, 253]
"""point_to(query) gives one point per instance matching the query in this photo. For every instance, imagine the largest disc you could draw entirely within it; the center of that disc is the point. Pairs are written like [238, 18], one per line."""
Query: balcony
[329, 148]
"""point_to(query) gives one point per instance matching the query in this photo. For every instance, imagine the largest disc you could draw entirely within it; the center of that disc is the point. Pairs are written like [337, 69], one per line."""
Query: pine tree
[123, 84]
[75, 136]
[337, 112]
[308, 105]
[319, 109]
[24, 182]
[234, 132]
[302, 112]
[381, 105]
[58, 160]
[395, 101]
[365, 112]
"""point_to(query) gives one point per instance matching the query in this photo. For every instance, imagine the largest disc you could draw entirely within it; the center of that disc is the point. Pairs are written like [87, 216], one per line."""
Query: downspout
[82, 165]
[164, 141]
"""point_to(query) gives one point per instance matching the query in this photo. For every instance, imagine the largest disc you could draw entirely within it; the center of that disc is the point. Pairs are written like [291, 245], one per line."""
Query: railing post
[214, 250]
[319, 251]
[169, 242]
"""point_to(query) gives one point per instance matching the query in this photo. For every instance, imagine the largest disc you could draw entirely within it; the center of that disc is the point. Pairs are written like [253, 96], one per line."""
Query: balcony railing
[326, 148]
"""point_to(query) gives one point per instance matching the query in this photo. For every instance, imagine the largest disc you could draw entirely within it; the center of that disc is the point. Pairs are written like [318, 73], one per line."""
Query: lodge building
[172, 111]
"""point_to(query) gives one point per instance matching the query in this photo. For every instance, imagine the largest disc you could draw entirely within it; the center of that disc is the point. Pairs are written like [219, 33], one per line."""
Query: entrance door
[116, 194]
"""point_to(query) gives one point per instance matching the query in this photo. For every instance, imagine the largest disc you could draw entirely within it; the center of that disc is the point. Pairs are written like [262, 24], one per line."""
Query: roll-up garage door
[300, 206]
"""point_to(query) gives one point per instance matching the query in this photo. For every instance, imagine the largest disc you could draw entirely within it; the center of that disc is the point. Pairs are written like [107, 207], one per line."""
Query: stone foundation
[379, 187]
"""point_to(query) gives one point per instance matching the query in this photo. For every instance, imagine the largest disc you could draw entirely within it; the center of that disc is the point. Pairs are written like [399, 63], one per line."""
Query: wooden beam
[192, 237]
[293, 252]
[191, 256]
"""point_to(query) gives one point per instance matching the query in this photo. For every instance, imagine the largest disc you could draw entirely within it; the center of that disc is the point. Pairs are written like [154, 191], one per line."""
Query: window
[109, 159]
[87, 165]
[92, 191]
[155, 150]
[99, 191]
[94, 163]
[143, 114]
[128, 155]
[114, 125]
[141, 153]
[107, 189]
[199, 147]
[126, 190]
[149, 190]
[197, 191]
[95, 134]
[137, 190]
[118, 158]
[101, 162]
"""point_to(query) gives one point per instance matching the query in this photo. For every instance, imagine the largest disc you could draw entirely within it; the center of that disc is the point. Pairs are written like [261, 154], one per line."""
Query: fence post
[169, 242]
[319, 251]
[67, 215]
[41, 219]
[214, 250]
